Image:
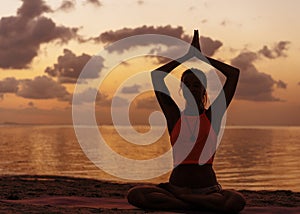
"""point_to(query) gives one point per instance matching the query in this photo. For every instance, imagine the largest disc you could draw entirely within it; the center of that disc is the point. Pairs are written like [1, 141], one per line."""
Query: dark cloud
[298, 83]
[22, 35]
[33, 8]
[281, 84]
[69, 66]
[209, 46]
[140, 2]
[253, 84]
[277, 51]
[42, 87]
[94, 2]
[131, 89]
[9, 85]
[67, 5]
[113, 36]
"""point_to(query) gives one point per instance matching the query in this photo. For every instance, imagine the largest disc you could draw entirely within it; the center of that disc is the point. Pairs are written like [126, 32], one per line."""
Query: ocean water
[254, 158]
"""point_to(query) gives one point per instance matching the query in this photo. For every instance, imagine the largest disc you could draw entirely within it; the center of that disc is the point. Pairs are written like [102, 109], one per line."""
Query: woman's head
[196, 83]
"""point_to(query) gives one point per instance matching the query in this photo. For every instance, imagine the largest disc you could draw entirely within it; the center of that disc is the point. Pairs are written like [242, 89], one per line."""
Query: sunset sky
[45, 44]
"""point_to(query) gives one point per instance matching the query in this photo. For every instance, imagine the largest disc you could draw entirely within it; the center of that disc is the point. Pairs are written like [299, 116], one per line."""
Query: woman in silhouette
[192, 183]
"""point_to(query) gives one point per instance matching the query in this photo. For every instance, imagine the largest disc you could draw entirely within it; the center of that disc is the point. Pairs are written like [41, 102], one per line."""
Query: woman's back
[193, 140]
[193, 176]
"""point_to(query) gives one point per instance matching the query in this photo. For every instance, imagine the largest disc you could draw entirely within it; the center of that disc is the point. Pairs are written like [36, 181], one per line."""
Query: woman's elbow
[236, 70]
[153, 73]
[157, 75]
[236, 73]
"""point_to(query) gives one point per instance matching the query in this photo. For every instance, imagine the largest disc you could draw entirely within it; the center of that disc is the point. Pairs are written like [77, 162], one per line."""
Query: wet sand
[59, 194]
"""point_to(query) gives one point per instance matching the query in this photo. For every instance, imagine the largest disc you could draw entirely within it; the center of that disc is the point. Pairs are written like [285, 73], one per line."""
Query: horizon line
[143, 124]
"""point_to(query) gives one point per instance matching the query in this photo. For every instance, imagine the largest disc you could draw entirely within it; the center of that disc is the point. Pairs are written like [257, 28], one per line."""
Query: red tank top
[199, 149]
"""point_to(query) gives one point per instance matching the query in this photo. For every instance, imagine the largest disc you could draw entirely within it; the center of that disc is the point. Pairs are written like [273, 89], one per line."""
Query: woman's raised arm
[167, 104]
[232, 75]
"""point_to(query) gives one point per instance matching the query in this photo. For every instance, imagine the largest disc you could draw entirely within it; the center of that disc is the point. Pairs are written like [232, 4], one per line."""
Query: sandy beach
[59, 194]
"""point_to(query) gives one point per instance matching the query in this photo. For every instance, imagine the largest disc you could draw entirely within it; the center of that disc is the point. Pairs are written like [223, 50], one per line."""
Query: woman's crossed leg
[153, 197]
